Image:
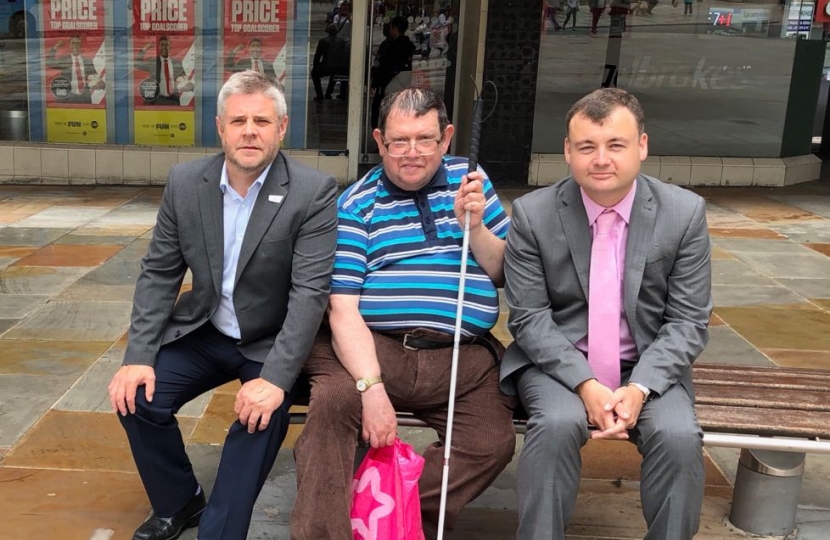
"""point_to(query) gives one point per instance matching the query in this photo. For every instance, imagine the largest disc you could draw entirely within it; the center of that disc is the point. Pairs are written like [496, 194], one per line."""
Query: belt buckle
[405, 345]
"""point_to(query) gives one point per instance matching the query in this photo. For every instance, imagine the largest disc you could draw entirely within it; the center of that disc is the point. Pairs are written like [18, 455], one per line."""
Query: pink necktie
[604, 304]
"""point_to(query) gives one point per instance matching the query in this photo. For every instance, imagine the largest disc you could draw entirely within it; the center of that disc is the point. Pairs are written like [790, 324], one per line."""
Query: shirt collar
[622, 208]
[224, 184]
[438, 180]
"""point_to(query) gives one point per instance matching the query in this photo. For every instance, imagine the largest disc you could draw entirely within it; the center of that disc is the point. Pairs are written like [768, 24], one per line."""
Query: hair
[401, 24]
[255, 40]
[251, 82]
[332, 30]
[597, 105]
[419, 101]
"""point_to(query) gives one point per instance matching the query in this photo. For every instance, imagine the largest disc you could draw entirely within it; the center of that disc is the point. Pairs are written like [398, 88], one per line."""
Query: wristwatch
[363, 384]
[646, 392]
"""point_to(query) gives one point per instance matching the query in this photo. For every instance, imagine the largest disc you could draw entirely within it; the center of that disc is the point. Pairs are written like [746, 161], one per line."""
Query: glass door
[407, 43]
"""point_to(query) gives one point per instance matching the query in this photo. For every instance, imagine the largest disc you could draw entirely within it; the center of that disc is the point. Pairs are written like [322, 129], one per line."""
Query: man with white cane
[392, 313]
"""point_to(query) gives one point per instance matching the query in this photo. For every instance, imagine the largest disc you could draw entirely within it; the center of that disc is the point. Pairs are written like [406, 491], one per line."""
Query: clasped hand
[612, 412]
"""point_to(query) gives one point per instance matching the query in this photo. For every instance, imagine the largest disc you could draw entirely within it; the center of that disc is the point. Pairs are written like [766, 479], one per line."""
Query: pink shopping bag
[385, 500]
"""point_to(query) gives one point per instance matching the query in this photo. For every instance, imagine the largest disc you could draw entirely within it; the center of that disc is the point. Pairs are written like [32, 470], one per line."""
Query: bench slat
[770, 383]
[703, 366]
[752, 396]
[762, 377]
[764, 422]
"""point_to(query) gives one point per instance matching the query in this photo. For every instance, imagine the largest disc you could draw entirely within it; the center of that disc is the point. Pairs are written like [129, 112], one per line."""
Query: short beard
[258, 167]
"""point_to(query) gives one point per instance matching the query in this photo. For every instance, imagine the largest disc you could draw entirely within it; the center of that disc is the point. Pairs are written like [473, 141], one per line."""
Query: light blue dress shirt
[236, 213]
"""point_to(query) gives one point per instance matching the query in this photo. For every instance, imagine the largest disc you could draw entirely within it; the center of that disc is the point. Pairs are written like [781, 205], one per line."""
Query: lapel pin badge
[275, 198]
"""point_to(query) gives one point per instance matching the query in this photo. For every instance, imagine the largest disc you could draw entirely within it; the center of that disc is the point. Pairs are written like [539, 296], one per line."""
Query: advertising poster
[254, 37]
[164, 72]
[75, 80]
[822, 11]
[799, 19]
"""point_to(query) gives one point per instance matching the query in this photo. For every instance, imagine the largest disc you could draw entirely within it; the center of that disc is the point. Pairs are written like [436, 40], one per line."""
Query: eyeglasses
[424, 147]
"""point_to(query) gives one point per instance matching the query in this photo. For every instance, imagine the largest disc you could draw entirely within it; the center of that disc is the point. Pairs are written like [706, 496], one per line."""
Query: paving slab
[808, 288]
[735, 272]
[816, 204]
[760, 245]
[727, 347]
[38, 280]
[807, 265]
[31, 236]
[803, 232]
[112, 281]
[70, 505]
[51, 358]
[17, 306]
[75, 321]
[54, 443]
[749, 295]
[23, 400]
[63, 217]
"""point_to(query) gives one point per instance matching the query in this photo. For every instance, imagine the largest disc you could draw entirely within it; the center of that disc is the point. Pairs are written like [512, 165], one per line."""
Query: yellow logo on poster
[164, 128]
[76, 125]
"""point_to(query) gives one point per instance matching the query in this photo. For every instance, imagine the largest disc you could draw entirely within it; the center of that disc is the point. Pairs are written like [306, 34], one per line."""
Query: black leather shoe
[170, 528]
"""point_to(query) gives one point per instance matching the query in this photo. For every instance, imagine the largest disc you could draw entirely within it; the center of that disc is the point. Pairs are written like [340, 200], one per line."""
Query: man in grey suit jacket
[663, 311]
[258, 232]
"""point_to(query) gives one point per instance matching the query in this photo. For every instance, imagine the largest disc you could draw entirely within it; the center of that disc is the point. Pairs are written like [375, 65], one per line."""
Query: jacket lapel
[210, 204]
[640, 234]
[575, 224]
[269, 201]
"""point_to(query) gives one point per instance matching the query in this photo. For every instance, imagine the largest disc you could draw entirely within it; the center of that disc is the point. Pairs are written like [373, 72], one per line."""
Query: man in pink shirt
[608, 283]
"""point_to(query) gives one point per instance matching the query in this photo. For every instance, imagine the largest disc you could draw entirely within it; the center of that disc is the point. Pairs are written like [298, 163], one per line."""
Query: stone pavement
[68, 263]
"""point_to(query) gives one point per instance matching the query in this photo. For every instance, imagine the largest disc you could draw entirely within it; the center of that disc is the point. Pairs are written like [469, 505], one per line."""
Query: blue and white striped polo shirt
[401, 252]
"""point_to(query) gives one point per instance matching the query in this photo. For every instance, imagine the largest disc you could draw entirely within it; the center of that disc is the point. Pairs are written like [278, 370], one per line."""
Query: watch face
[361, 385]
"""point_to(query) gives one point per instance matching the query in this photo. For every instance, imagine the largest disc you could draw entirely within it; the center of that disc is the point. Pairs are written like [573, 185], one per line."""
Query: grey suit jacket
[283, 274]
[666, 285]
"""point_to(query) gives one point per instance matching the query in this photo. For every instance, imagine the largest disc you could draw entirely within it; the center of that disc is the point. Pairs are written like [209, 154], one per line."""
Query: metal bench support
[765, 497]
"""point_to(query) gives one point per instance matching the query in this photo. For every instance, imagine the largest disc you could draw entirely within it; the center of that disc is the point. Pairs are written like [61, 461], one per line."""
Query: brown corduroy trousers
[416, 381]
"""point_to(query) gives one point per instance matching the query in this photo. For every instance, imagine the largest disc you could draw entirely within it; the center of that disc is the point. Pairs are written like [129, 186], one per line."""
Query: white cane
[453, 375]
[459, 311]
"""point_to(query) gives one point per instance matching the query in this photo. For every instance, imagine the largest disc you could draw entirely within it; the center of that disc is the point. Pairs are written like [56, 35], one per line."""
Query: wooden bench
[784, 410]
[767, 408]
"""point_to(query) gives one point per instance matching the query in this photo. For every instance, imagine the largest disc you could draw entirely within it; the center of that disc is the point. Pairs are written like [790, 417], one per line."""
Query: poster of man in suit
[75, 81]
[164, 72]
[254, 37]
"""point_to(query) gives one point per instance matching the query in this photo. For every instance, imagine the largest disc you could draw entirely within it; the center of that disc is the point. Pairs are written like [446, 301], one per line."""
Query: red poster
[164, 54]
[255, 37]
[823, 11]
[75, 58]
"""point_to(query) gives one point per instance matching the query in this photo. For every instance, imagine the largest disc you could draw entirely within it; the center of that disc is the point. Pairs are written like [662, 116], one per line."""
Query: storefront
[138, 79]
[96, 91]
[729, 88]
